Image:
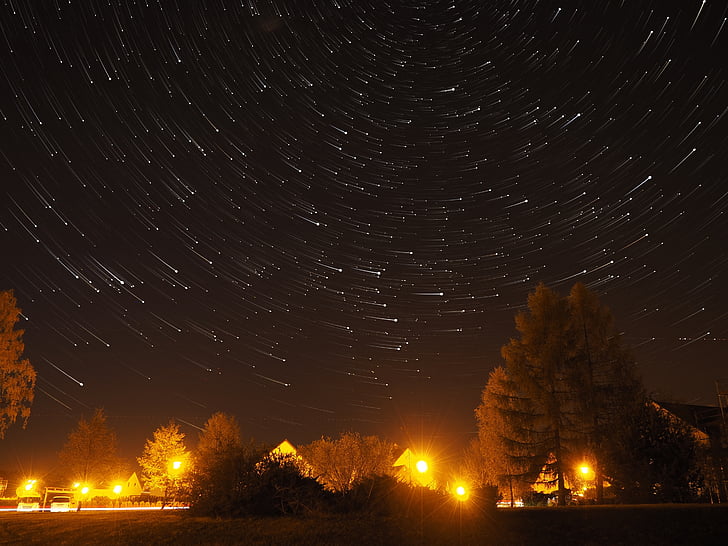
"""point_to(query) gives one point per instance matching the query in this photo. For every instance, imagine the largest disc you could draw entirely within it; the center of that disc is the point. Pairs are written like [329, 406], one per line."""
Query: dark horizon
[324, 217]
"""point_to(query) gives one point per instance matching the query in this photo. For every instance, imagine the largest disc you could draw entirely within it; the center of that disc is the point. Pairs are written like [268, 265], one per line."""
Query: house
[286, 450]
[120, 488]
[415, 469]
[708, 426]
[705, 422]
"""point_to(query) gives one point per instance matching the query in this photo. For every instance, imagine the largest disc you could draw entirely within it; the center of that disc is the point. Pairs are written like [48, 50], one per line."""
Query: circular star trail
[323, 216]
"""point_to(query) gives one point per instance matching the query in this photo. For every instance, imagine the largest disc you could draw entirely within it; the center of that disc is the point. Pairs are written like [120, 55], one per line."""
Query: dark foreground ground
[613, 525]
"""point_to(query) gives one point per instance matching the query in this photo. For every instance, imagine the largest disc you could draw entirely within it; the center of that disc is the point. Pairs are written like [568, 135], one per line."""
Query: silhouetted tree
[17, 376]
[538, 364]
[90, 454]
[219, 437]
[604, 374]
[281, 488]
[505, 433]
[654, 457]
[570, 364]
[217, 464]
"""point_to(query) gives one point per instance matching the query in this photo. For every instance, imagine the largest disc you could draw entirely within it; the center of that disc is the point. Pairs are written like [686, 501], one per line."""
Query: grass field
[643, 525]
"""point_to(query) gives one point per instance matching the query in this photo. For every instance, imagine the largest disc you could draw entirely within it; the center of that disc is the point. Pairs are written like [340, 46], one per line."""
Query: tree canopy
[220, 436]
[165, 461]
[504, 432]
[90, 454]
[340, 464]
[565, 379]
[653, 456]
[17, 376]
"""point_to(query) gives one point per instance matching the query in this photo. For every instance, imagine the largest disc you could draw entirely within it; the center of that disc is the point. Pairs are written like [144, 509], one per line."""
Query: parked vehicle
[61, 503]
[29, 504]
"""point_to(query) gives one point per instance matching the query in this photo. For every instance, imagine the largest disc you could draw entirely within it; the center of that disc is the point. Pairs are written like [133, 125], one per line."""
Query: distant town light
[422, 466]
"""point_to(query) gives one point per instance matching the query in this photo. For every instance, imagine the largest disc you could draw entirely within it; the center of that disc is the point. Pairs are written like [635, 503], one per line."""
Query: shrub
[246, 483]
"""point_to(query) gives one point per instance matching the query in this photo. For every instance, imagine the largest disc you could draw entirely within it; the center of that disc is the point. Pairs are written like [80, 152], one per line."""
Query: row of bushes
[243, 486]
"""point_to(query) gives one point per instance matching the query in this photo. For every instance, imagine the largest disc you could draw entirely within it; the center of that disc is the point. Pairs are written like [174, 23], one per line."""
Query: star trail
[322, 216]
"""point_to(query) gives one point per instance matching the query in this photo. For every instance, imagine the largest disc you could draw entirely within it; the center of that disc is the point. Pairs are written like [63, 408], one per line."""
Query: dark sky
[322, 216]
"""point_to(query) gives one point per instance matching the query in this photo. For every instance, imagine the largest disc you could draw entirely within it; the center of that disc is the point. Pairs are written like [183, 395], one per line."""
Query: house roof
[405, 459]
[705, 418]
[285, 448]
[705, 421]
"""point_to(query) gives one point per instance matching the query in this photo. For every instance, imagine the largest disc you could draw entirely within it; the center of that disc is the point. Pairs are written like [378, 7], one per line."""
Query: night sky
[323, 216]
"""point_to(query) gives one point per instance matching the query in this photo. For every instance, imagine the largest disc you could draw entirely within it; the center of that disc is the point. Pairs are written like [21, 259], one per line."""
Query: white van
[61, 503]
[29, 504]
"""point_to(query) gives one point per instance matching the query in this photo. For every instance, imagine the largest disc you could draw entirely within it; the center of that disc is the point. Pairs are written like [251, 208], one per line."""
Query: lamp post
[175, 469]
[83, 492]
[587, 475]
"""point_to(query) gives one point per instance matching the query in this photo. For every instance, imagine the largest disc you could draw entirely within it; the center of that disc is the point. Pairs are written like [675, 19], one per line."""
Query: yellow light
[117, 489]
[461, 492]
[84, 490]
[585, 469]
[421, 466]
[29, 486]
[76, 485]
[177, 465]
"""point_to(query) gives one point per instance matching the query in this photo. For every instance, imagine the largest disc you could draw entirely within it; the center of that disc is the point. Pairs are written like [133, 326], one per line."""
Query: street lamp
[177, 467]
[587, 475]
[421, 466]
[461, 492]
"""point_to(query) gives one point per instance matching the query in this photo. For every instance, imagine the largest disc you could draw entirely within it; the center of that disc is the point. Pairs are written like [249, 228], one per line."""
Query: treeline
[349, 474]
[566, 412]
[227, 476]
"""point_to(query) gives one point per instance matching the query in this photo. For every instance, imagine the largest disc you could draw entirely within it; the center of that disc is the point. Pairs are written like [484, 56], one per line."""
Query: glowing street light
[461, 493]
[117, 489]
[587, 475]
[177, 465]
[421, 466]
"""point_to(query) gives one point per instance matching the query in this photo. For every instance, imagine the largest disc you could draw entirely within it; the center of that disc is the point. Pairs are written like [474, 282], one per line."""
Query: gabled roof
[133, 485]
[284, 448]
[405, 459]
[706, 418]
[668, 408]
